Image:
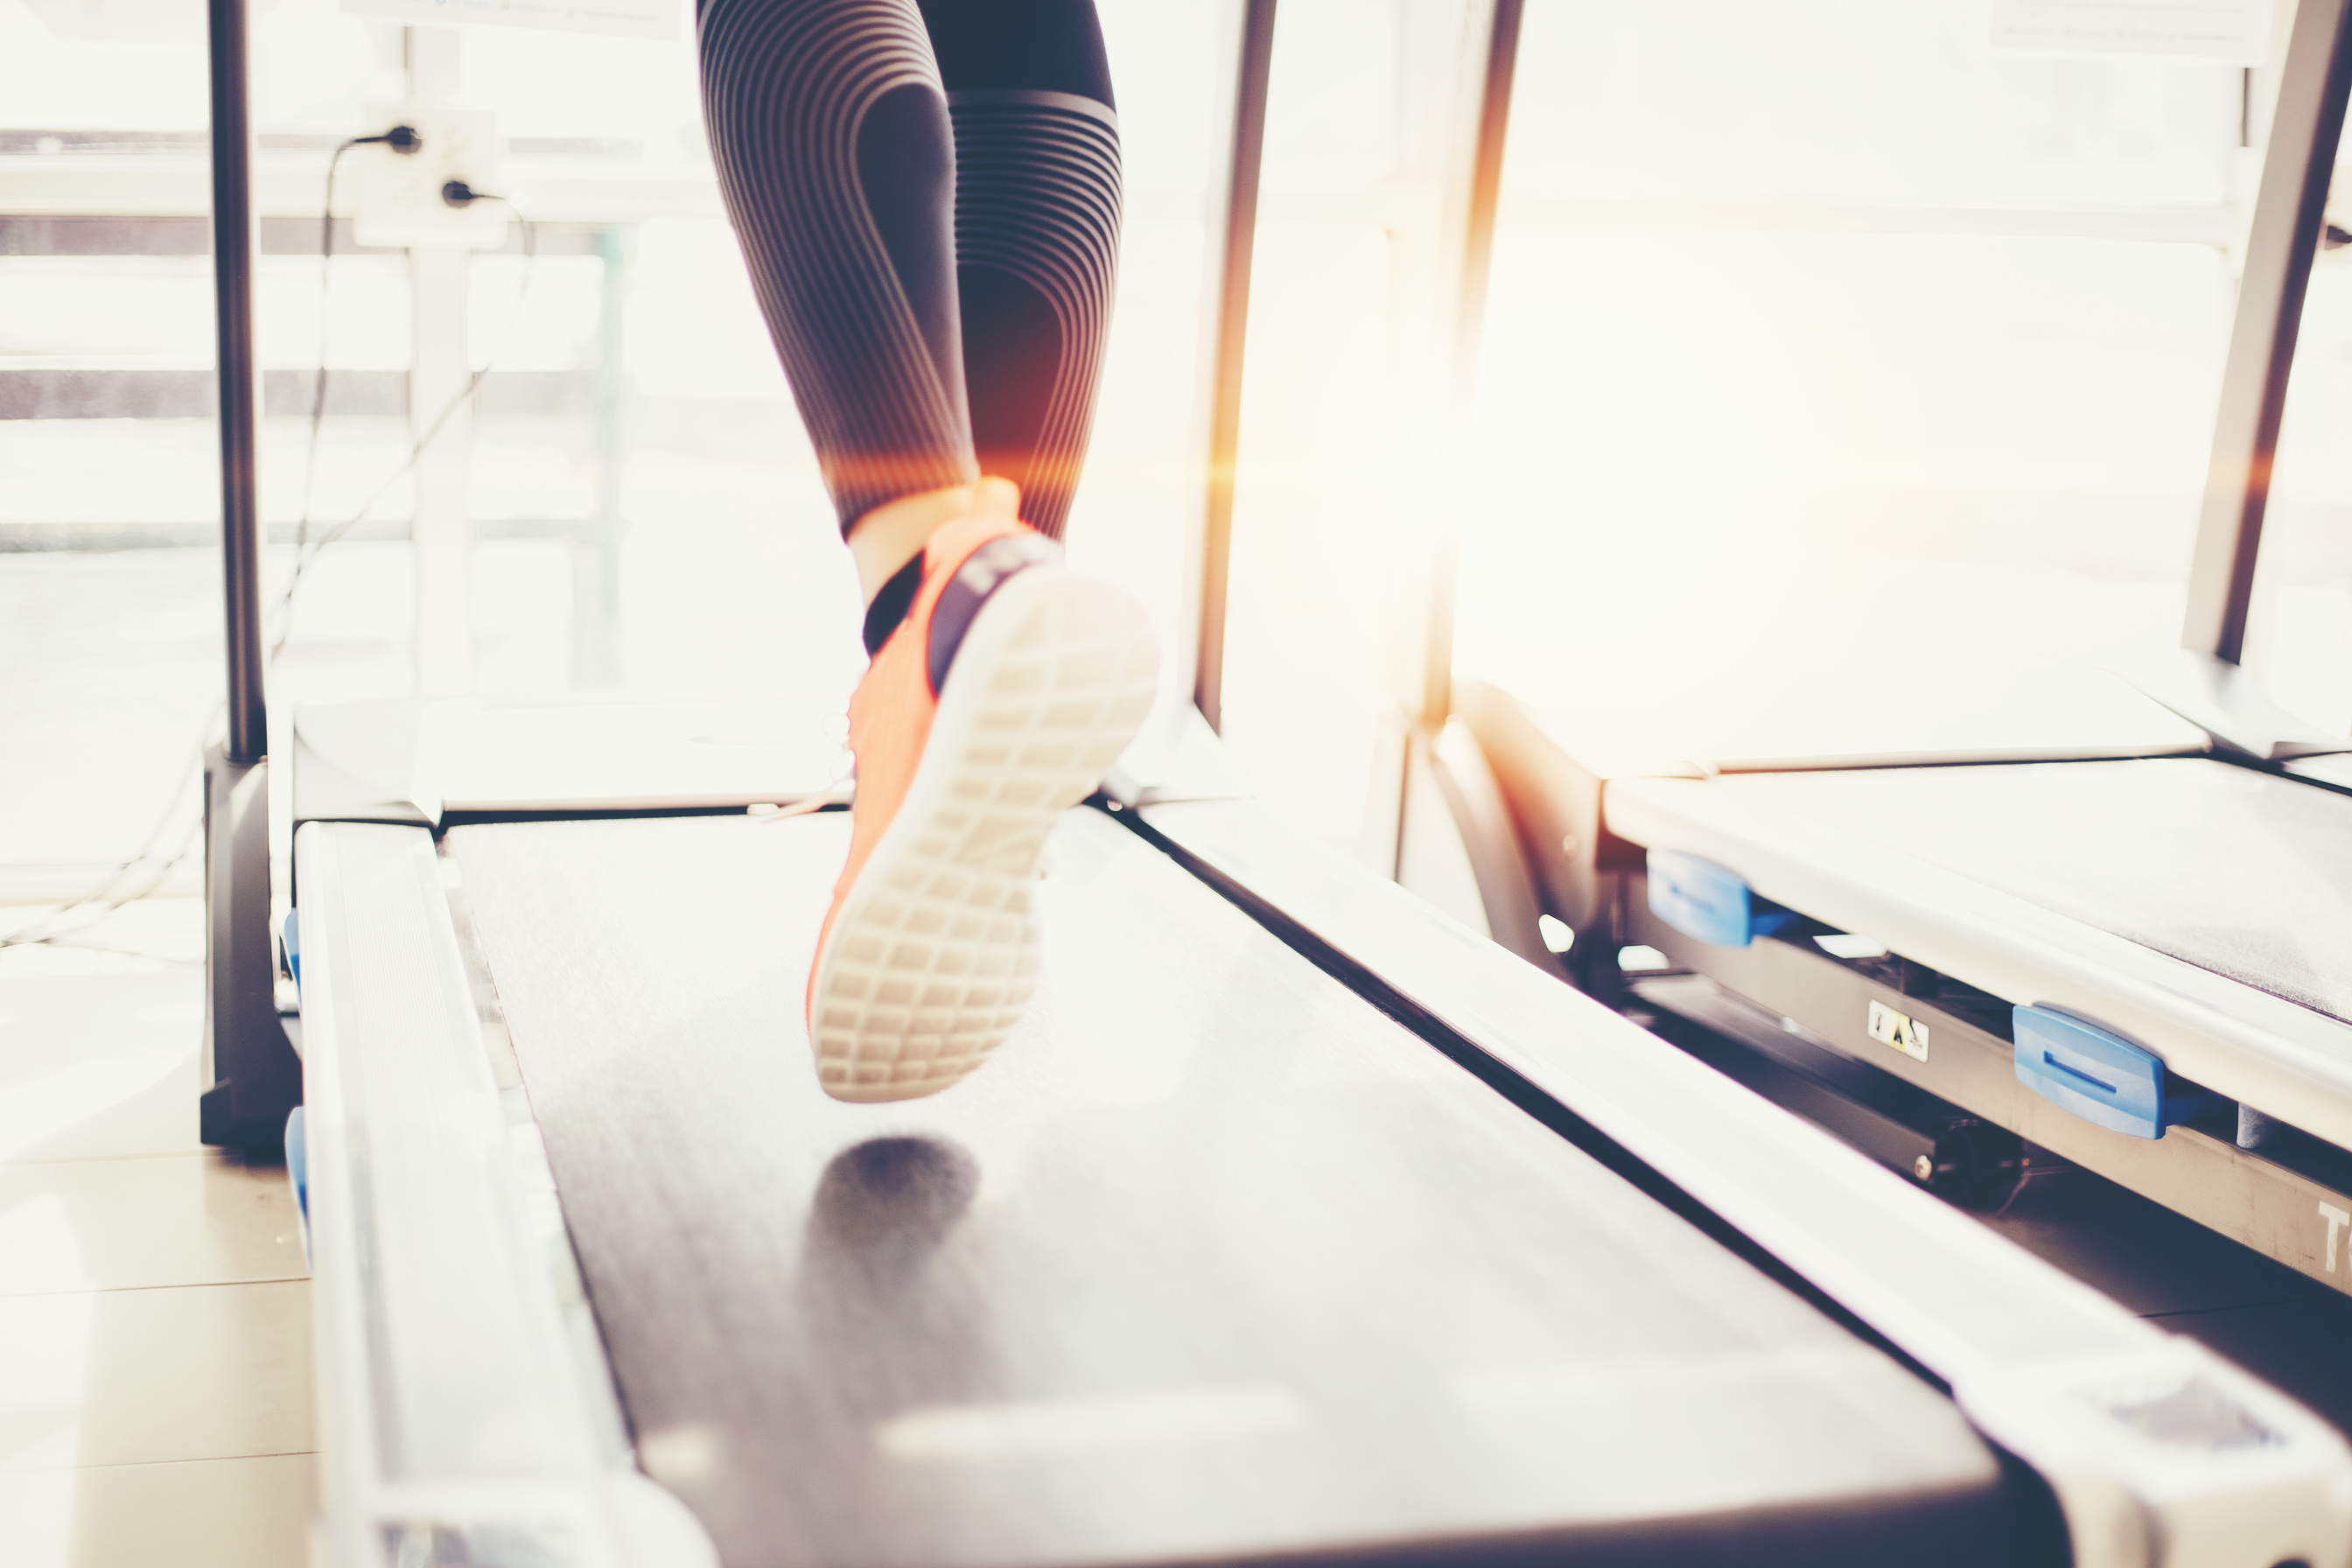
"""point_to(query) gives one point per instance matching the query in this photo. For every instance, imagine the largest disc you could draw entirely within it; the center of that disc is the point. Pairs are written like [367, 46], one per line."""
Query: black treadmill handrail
[236, 236]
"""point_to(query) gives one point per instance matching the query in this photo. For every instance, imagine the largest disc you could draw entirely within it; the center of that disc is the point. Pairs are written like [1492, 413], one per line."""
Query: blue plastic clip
[290, 934]
[297, 1174]
[1701, 899]
[2100, 1077]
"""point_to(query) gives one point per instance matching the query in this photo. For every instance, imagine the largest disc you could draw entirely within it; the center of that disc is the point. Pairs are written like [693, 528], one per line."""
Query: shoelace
[841, 792]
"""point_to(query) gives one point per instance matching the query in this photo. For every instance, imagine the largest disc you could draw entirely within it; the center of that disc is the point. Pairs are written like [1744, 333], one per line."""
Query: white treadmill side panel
[447, 1404]
[2238, 1041]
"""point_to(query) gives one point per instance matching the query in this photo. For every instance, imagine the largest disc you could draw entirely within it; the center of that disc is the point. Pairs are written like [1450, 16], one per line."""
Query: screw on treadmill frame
[1924, 1167]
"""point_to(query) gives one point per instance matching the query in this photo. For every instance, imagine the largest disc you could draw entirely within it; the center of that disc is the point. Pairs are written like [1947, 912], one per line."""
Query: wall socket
[395, 198]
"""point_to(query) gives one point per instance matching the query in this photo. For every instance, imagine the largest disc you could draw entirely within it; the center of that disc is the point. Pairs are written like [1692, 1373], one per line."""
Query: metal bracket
[2230, 705]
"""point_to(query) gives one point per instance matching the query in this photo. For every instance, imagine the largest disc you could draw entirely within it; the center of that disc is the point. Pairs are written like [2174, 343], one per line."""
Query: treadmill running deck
[1213, 1261]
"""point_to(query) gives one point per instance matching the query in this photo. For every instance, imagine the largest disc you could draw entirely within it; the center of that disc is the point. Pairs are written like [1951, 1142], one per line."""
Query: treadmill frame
[465, 1410]
[465, 1402]
[2290, 1205]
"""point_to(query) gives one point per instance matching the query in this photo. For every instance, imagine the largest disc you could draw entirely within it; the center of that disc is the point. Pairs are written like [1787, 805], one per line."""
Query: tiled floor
[154, 1313]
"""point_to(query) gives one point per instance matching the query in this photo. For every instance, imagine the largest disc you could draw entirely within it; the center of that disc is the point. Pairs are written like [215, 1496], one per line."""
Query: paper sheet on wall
[2235, 32]
[658, 19]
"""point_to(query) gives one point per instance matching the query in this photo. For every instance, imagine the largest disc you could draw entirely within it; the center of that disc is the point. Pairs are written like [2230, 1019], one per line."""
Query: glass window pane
[1837, 359]
[2299, 635]
[1344, 301]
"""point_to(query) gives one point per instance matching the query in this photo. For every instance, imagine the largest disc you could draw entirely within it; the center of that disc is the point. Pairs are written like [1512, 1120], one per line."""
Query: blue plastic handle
[1711, 902]
[2099, 1076]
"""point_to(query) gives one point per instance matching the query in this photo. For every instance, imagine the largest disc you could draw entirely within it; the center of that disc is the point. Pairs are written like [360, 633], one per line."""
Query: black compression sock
[890, 605]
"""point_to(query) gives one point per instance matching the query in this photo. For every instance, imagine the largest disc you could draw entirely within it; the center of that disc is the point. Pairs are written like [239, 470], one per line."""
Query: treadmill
[2126, 942]
[1299, 1223]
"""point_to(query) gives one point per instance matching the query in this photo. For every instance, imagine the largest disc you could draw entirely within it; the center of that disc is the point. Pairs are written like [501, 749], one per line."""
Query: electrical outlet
[397, 197]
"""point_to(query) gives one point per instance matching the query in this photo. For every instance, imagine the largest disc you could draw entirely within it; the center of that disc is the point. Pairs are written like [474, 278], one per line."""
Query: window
[1841, 360]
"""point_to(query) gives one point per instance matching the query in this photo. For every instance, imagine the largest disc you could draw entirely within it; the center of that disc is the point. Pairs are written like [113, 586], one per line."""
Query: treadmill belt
[2240, 872]
[1214, 1262]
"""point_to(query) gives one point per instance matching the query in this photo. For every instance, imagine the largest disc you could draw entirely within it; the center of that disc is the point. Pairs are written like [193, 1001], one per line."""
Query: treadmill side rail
[452, 1425]
[2144, 1437]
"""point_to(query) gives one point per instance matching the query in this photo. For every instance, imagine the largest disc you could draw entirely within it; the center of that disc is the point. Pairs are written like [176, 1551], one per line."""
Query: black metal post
[253, 1077]
[2288, 211]
[1254, 71]
[235, 241]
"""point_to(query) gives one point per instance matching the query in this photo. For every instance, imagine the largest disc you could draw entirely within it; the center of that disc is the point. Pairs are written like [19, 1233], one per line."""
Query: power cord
[401, 139]
[43, 931]
[457, 194]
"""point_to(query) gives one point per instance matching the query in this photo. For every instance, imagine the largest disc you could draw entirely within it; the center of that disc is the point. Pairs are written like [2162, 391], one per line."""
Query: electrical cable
[457, 194]
[402, 138]
[104, 890]
[34, 935]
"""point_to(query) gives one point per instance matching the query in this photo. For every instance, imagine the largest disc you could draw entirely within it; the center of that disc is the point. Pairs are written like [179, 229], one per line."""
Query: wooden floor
[1212, 1261]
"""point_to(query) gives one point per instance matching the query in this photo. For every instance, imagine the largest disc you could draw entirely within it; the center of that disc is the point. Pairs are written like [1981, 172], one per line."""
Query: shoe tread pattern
[937, 946]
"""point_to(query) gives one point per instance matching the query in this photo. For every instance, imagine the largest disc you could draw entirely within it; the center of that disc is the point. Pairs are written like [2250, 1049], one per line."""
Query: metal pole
[252, 1074]
[2288, 211]
[234, 244]
[1482, 193]
[1254, 71]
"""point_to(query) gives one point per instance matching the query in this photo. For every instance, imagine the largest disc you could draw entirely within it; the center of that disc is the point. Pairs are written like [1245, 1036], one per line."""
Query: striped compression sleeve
[830, 131]
[1037, 206]
[929, 199]
[1037, 214]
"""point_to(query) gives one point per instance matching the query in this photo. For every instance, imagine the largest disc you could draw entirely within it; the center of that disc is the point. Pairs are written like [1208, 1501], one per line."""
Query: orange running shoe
[996, 705]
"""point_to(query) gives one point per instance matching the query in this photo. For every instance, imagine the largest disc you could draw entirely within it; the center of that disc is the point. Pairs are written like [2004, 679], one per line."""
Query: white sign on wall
[2235, 32]
[658, 19]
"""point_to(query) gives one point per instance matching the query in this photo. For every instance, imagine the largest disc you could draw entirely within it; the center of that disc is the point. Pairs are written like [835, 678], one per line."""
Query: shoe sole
[937, 947]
